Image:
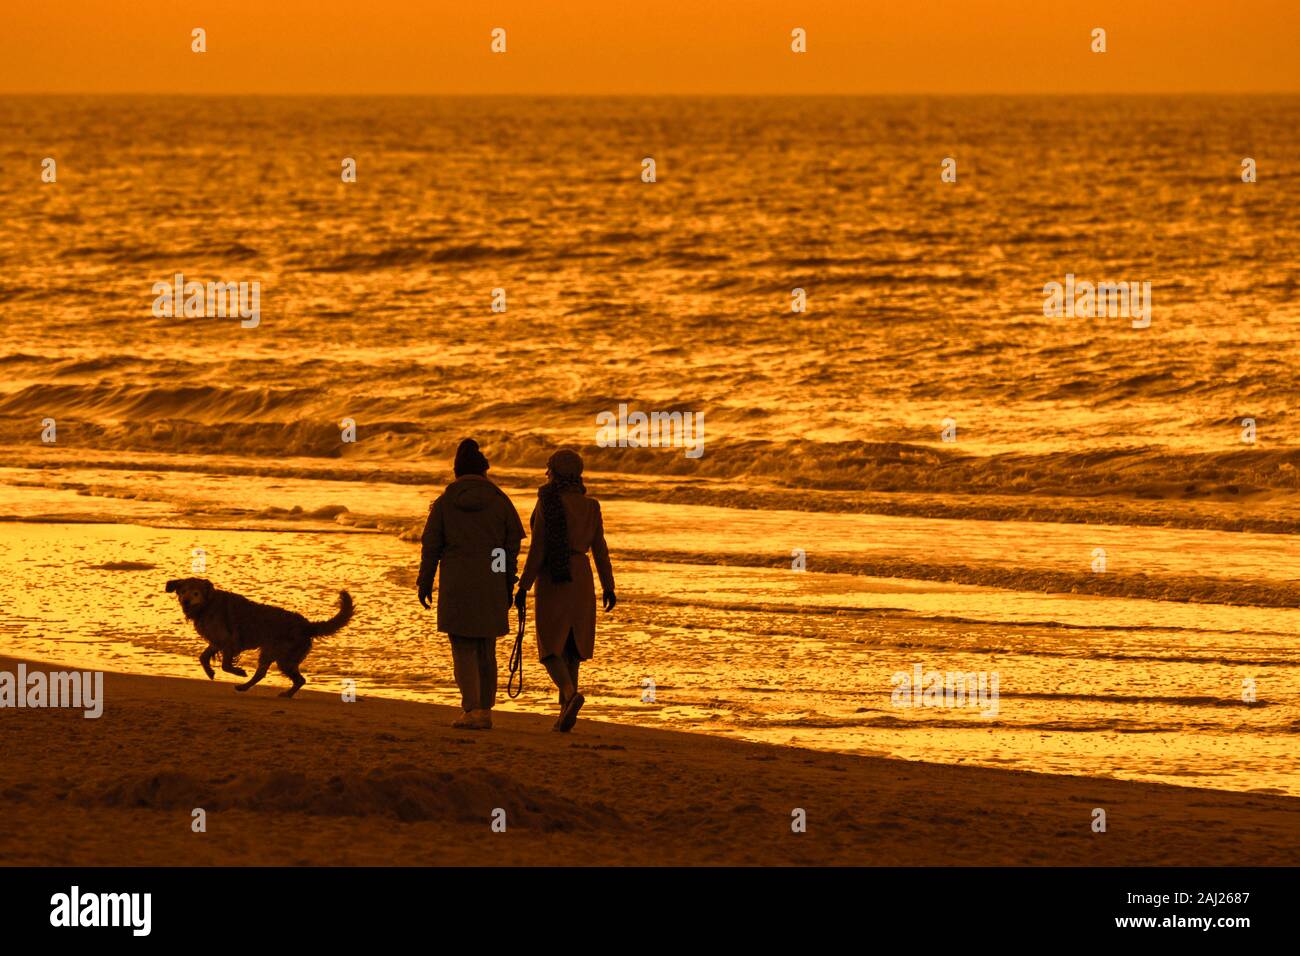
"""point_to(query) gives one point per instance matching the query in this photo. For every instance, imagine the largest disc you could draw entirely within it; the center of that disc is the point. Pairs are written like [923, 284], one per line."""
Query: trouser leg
[571, 659]
[465, 665]
[561, 676]
[573, 663]
[487, 672]
[563, 669]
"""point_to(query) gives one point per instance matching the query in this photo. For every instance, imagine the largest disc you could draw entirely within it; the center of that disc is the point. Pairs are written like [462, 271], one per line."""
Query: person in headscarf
[475, 533]
[566, 524]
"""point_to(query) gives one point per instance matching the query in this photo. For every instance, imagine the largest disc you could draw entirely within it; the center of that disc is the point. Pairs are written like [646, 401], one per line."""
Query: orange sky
[650, 46]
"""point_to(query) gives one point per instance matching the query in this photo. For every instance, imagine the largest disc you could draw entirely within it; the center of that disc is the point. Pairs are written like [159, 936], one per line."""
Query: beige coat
[467, 524]
[570, 606]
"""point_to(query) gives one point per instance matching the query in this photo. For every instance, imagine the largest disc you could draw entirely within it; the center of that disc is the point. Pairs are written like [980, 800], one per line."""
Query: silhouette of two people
[473, 533]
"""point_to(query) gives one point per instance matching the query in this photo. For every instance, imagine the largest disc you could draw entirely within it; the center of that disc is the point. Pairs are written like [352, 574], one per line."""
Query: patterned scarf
[556, 546]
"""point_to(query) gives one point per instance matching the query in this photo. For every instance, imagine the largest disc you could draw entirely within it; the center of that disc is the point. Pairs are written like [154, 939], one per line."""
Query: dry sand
[319, 781]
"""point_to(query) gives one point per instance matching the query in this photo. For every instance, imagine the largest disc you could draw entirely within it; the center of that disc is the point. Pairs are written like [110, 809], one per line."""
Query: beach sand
[319, 781]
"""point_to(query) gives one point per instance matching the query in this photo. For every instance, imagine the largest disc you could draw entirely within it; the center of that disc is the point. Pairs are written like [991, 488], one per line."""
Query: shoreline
[1190, 504]
[317, 781]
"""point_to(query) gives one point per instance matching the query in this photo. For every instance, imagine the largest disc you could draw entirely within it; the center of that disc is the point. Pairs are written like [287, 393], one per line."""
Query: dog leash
[517, 659]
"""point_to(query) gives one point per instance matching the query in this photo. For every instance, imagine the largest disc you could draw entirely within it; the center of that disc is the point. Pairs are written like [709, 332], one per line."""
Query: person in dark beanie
[566, 525]
[474, 533]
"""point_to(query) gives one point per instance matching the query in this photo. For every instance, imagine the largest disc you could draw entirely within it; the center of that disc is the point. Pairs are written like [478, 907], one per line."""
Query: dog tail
[322, 628]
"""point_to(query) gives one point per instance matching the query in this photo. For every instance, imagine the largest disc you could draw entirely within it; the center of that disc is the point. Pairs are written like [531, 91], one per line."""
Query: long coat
[468, 522]
[571, 605]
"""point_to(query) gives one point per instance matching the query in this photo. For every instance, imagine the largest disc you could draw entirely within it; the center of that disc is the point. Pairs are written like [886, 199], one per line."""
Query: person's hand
[426, 597]
[521, 599]
[609, 598]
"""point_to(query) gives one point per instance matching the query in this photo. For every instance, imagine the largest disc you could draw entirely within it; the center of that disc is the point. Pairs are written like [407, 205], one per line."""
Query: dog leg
[228, 665]
[291, 671]
[263, 666]
[206, 660]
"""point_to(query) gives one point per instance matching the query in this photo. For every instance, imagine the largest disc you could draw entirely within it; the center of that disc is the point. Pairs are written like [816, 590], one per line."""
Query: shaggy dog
[231, 623]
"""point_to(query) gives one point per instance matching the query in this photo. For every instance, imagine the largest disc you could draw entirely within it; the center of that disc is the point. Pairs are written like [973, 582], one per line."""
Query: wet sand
[319, 781]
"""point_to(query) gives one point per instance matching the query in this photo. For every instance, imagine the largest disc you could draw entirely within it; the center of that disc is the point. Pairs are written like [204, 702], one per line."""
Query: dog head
[192, 592]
